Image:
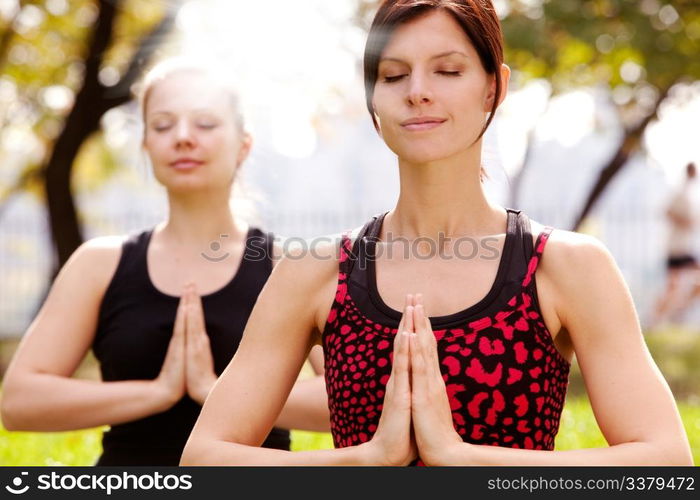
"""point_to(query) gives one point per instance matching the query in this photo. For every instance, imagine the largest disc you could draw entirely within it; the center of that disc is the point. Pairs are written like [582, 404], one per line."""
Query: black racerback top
[135, 325]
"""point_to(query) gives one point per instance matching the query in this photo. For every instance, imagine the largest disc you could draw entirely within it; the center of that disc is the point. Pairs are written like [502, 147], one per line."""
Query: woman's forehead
[188, 90]
[434, 33]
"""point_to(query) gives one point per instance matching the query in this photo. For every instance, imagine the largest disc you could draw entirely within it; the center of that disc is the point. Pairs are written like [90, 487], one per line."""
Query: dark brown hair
[477, 18]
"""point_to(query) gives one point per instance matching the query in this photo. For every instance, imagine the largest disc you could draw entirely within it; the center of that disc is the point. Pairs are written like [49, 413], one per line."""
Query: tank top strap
[351, 252]
[132, 264]
[259, 251]
[525, 237]
[345, 253]
[538, 249]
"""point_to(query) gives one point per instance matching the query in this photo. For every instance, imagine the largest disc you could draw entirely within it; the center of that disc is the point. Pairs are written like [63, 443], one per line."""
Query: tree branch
[120, 93]
[629, 145]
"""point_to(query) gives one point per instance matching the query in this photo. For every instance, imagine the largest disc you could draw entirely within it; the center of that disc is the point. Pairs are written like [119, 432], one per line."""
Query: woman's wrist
[455, 453]
[368, 455]
[202, 389]
[162, 395]
[373, 453]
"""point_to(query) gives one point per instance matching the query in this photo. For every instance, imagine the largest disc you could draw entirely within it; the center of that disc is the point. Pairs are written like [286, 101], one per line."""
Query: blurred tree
[639, 49]
[63, 64]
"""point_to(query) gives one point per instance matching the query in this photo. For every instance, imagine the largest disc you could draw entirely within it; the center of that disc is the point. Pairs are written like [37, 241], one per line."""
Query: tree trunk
[91, 102]
[80, 123]
[629, 145]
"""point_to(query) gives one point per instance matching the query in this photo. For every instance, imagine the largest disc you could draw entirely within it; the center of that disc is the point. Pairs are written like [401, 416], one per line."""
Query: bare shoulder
[95, 261]
[572, 259]
[309, 260]
[103, 249]
[307, 272]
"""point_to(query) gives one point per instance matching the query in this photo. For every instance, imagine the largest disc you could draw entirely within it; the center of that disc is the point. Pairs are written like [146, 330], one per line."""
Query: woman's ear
[504, 75]
[375, 119]
[244, 151]
[505, 80]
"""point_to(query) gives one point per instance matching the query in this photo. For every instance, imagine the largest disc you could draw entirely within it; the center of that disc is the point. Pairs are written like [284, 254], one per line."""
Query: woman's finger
[400, 367]
[418, 378]
[427, 341]
[422, 332]
[408, 301]
[180, 317]
[408, 325]
[194, 318]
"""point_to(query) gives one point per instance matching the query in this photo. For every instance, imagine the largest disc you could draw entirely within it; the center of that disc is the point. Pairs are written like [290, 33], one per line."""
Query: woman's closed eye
[161, 127]
[449, 73]
[393, 78]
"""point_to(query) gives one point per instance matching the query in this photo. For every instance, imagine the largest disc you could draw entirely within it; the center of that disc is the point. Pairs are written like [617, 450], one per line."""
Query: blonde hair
[184, 64]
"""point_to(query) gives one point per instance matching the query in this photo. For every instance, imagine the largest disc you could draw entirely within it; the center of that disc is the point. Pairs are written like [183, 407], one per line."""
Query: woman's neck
[444, 197]
[198, 220]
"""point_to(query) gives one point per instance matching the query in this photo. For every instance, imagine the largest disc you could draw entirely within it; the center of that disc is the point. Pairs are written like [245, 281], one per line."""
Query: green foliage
[637, 45]
[136, 19]
[42, 61]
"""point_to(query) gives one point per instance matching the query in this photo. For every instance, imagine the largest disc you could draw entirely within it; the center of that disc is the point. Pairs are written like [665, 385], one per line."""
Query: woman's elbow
[674, 452]
[194, 452]
[681, 455]
[189, 455]
[12, 412]
[21, 409]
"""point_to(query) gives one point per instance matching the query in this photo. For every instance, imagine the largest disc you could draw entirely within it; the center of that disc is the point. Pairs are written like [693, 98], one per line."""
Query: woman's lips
[421, 124]
[185, 164]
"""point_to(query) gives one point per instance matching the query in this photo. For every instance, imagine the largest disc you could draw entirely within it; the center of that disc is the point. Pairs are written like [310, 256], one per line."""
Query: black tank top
[135, 325]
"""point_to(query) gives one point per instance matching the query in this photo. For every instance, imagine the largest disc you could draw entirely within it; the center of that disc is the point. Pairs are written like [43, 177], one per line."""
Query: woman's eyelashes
[161, 127]
[396, 78]
[203, 125]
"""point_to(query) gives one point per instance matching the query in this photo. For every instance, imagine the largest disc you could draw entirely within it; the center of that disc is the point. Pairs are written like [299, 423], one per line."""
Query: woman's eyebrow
[172, 113]
[436, 56]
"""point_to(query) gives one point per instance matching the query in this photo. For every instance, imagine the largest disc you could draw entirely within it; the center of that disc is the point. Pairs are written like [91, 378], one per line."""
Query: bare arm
[306, 407]
[631, 401]
[38, 392]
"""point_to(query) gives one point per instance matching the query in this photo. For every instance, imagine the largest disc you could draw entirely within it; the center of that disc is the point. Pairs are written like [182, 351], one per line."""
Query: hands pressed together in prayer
[416, 419]
[189, 366]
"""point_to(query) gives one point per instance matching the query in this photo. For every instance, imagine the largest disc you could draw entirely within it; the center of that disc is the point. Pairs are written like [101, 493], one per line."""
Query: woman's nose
[184, 134]
[418, 91]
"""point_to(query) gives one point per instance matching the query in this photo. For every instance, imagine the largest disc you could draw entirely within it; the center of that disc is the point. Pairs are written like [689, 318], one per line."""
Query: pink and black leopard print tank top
[505, 380]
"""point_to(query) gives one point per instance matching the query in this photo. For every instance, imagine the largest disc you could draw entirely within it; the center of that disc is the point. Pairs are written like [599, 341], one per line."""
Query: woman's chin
[421, 157]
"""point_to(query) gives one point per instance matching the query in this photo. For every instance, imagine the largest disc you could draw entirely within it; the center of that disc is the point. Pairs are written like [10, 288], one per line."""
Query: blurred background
[600, 123]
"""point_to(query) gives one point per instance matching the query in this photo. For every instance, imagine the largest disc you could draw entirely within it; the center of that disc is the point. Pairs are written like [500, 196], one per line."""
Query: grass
[578, 430]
